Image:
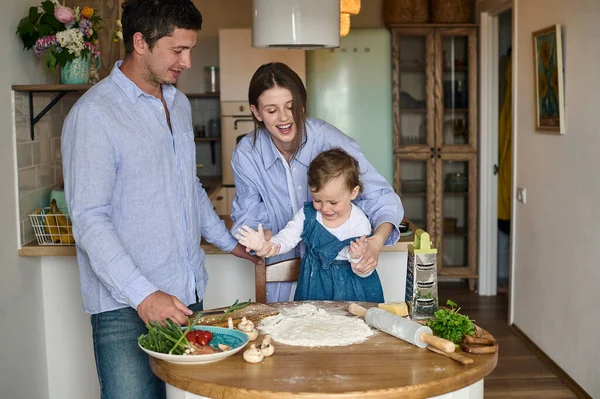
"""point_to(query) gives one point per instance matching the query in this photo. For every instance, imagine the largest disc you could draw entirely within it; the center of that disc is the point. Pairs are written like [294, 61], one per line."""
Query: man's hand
[240, 252]
[159, 306]
[374, 245]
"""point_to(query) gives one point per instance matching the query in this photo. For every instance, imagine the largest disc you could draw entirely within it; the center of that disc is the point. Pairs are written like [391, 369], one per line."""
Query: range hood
[296, 24]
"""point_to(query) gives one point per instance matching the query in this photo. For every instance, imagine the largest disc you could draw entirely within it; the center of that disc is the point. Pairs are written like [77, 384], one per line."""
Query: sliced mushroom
[245, 325]
[252, 335]
[224, 347]
[267, 347]
[253, 355]
[230, 323]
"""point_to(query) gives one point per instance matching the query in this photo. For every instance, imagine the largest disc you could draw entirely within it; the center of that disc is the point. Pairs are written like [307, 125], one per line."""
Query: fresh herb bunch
[450, 324]
[233, 307]
[167, 337]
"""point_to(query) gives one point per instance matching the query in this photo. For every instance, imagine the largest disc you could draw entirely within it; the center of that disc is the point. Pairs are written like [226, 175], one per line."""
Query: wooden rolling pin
[403, 328]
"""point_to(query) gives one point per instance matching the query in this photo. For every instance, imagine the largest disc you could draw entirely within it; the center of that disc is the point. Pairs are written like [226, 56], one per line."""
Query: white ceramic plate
[234, 338]
[406, 233]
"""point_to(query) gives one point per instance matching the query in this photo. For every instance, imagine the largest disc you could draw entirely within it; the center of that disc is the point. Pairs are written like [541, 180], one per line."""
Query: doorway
[504, 166]
[496, 36]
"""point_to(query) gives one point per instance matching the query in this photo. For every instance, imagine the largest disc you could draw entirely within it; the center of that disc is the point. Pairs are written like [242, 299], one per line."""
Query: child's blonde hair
[331, 164]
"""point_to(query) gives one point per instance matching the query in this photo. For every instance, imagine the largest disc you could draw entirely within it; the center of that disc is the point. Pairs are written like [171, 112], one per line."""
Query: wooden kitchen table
[380, 367]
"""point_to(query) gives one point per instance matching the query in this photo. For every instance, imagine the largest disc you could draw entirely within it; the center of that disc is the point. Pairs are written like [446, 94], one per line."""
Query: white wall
[22, 359]
[556, 271]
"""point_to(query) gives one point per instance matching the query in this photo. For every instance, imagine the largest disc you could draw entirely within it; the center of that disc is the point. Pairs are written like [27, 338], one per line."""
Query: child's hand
[358, 248]
[268, 250]
[357, 251]
[252, 240]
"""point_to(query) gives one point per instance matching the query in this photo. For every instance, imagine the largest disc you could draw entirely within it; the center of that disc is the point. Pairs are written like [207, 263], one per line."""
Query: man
[137, 207]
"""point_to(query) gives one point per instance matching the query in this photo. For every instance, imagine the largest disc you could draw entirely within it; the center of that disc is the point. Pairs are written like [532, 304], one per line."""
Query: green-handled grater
[421, 278]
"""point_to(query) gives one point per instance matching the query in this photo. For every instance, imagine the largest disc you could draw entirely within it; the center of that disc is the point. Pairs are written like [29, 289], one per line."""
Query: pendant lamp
[351, 7]
[296, 24]
[344, 24]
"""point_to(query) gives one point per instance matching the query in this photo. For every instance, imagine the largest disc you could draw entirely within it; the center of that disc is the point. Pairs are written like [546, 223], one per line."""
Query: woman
[270, 169]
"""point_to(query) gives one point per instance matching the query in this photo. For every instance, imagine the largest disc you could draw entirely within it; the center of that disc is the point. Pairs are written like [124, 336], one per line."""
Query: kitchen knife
[403, 328]
[214, 311]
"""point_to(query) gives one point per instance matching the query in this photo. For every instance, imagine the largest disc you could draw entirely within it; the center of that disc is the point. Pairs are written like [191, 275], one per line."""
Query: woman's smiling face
[275, 111]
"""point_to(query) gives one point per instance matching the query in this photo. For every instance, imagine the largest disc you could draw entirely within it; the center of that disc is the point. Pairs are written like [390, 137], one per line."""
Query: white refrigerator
[351, 88]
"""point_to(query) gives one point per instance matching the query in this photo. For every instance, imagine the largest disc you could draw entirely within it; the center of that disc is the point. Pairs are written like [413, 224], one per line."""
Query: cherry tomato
[191, 337]
[200, 340]
[207, 334]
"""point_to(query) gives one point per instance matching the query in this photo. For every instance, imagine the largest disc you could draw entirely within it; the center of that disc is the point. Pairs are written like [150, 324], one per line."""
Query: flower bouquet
[62, 34]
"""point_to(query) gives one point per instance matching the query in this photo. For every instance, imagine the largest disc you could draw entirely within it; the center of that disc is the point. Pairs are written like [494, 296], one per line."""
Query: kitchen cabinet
[434, 83]
[221, 200]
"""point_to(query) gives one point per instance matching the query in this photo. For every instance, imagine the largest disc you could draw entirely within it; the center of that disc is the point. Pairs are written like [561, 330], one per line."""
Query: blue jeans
[123, 368]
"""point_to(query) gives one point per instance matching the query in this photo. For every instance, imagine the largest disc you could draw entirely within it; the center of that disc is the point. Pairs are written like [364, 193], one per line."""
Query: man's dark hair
[155, 19]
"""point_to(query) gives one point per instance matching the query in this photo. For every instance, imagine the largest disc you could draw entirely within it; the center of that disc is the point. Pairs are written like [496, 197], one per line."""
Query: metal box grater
[421, 278]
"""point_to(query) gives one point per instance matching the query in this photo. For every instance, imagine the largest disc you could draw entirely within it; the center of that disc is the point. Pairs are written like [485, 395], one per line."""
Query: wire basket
[405, 11]
[452, 11]
[51, 228]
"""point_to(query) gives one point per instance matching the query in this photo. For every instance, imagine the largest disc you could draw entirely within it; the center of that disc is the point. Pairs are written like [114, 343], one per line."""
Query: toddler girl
[334, 231]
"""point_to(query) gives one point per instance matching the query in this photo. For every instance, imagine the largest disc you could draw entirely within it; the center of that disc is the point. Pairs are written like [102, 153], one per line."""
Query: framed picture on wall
[549, 80]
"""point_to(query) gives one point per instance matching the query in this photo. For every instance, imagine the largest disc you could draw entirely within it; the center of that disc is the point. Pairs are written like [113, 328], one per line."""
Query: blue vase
[77, 72]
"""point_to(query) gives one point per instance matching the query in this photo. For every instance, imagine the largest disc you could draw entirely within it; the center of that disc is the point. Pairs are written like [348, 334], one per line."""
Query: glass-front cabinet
[413, 82]
[435, 138]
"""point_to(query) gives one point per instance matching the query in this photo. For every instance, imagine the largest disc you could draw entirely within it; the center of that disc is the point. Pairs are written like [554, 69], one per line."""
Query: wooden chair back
[284, 271]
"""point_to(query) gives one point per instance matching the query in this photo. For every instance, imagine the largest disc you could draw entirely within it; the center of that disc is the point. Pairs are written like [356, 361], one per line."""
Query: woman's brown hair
[331, 164]
[278, 74]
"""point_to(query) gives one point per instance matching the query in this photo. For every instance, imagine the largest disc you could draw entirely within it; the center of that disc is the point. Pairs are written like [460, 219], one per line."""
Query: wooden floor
[519, 374]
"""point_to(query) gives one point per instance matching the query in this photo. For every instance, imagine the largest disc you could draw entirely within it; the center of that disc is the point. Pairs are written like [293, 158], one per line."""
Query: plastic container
[212, 78]
[214, 128]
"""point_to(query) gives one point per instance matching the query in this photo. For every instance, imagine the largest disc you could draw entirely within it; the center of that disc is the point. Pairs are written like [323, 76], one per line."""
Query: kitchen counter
[33, 249]
[380, 367]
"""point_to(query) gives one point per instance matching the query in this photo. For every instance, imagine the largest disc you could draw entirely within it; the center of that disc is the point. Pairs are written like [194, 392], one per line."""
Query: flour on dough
[307, 325]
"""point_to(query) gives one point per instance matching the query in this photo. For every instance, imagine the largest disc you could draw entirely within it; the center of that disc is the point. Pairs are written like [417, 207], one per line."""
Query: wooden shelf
[413, 110]
[455, 69]
[433, 26]
[456, 110]
[412, 69]
[202, 95]
[459, 231]
[61, 91]
[206, 139]
[455, 193]
[50, 88]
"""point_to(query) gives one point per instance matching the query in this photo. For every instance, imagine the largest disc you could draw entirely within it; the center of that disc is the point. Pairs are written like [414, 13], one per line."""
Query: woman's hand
[374, 245]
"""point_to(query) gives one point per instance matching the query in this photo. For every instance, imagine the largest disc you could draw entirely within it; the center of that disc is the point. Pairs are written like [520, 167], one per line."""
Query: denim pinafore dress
[322, 277]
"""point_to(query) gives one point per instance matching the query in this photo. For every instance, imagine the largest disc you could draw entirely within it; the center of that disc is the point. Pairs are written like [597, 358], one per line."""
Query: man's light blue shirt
[137, 206]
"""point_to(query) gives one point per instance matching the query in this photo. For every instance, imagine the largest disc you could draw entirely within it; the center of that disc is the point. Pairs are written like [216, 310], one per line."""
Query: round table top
[383, 366]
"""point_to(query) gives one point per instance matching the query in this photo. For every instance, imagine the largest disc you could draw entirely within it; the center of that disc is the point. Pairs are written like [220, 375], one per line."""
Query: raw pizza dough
[307, 325]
